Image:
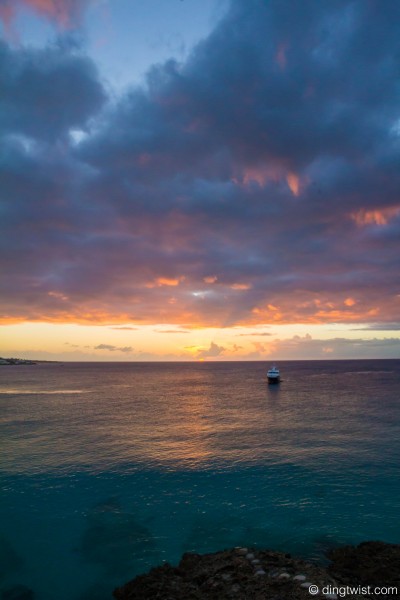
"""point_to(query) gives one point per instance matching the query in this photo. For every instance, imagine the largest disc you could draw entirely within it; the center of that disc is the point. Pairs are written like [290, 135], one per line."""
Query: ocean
[110, 468]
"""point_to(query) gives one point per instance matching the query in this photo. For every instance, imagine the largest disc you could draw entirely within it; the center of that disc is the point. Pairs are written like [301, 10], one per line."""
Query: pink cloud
[280, 56]
[65, 13]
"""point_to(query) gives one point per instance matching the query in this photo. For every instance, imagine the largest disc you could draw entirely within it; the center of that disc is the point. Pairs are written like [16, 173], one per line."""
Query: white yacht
[273, 375]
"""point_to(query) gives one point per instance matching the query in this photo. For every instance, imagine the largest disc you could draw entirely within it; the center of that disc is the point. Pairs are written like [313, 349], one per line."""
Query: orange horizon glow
[313, 311]
[147, 343]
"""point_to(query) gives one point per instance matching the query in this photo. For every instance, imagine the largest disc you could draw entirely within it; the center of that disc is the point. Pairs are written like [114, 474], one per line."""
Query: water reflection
[178, 417]
[186, 416]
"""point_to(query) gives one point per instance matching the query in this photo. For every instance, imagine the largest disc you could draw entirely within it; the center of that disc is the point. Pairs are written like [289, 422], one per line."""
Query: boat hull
[273, 379]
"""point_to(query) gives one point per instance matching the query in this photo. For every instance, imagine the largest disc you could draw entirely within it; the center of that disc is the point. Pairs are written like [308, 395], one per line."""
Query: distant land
[22, 361]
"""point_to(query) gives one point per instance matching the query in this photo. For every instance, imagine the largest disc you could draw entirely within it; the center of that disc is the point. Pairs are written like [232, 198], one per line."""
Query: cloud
[172, 331]
[113, 348]
[64, 13]
[379, 327]
[264, 333]
[211, 352]
[236, 348]
[255, 183]
[124, 328]
[339, 348]
[39, 100]
[295, 348]
[260, 349]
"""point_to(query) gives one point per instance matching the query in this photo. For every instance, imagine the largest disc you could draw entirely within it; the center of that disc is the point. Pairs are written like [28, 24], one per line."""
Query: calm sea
[108, 469]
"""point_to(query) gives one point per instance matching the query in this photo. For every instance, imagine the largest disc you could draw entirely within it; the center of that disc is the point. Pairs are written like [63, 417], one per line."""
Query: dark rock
[220, 576]
[228, 575]
[369, 563]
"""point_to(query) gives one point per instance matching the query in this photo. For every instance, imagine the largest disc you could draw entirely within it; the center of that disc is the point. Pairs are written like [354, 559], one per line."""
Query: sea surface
[108, 469]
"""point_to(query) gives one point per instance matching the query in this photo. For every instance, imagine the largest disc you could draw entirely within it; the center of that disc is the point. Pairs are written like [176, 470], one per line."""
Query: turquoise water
[108, 469]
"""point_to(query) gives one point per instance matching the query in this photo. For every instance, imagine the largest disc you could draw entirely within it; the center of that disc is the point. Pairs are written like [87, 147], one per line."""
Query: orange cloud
[350, 302]
[223, 307]
[261, 174]
[375, 217]
[335, 316]
[294, 183]
[264, 173]
[240, 286]
[168, 281]
[303, 307]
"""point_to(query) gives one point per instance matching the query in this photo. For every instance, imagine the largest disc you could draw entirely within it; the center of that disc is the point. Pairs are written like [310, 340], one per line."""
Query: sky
[186, 180]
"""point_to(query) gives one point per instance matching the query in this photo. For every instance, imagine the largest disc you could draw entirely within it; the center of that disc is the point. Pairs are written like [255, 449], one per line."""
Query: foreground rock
[245, 574]
[368, 564]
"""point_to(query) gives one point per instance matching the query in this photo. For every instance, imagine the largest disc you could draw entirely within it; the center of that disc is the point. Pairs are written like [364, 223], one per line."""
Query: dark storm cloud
[238, 101]
[257, 182]
[47, 92]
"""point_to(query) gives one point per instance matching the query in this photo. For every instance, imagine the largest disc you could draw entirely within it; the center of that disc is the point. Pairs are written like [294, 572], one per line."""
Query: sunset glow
[234, 188]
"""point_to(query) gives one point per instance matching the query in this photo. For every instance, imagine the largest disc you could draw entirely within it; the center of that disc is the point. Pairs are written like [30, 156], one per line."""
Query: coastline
[254, 574]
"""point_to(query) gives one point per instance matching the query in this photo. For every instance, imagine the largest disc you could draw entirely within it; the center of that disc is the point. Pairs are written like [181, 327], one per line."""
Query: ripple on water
[109, 469]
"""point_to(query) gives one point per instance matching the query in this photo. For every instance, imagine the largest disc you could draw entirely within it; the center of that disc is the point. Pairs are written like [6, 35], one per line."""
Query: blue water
[108, 469]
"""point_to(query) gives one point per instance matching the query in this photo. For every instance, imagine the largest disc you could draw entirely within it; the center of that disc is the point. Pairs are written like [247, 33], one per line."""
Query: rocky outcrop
[245, 574]
[232, 574]
[368, 564]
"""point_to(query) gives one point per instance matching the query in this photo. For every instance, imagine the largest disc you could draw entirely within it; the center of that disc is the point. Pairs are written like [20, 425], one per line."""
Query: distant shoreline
[16, 362]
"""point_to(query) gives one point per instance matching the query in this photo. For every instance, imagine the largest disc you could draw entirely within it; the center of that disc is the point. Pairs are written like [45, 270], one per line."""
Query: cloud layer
[64, 13]
[258, 182]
